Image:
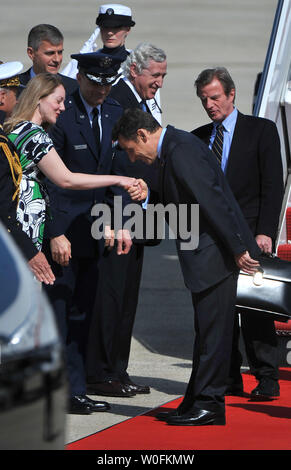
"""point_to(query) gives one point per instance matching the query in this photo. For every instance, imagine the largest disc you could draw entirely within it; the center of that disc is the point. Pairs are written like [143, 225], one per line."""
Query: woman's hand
[126, 181]
[41, 269]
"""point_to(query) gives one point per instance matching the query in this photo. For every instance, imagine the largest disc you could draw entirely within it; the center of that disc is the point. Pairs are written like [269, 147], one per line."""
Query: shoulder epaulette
[14, 163]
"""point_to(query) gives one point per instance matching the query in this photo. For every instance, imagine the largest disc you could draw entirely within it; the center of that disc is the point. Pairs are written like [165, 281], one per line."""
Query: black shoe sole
[75, 412]
[214, 422]
[264, 397]
[99, 411]
[164, 417]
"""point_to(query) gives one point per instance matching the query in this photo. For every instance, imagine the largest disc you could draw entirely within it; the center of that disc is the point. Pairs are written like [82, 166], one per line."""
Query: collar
[128, 82]
[160, 143]
[115, 50]
[88, 107]
[229, 122]
[32, 73]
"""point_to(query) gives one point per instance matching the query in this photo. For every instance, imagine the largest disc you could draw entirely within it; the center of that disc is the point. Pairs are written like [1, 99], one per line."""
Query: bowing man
[190, 175]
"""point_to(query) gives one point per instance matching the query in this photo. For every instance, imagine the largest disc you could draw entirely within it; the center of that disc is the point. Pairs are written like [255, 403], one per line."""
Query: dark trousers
[214, 311]
[114, 314]
[72, 297]
[260, 340]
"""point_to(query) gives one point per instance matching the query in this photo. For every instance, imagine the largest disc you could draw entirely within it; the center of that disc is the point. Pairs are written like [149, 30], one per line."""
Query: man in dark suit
[82, 137]
[251, 161]
[190, 175]
[10, 177]
[118, 289]
[45, 49]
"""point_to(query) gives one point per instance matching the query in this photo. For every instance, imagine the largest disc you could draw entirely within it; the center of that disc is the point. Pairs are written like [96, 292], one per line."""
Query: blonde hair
[37, 88]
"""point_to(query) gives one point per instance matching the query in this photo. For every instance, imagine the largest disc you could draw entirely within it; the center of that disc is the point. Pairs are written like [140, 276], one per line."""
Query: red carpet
[250, 426]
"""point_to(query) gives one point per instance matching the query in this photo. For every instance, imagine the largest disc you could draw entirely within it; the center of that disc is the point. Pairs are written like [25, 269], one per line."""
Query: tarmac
[195, 34]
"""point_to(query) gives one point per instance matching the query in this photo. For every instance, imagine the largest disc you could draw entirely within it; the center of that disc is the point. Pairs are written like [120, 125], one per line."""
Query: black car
[33, 386]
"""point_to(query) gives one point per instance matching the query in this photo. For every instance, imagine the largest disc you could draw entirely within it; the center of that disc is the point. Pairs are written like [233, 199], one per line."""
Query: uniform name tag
[80, 147]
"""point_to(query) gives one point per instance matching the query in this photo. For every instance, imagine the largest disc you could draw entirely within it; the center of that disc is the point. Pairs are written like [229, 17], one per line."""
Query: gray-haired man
[144, 72]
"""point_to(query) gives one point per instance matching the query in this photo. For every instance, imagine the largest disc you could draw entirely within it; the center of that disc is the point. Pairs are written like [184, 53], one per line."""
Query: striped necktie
[217, 146]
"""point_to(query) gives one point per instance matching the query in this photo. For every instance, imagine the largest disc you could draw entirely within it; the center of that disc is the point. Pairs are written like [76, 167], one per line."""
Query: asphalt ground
[195, 34]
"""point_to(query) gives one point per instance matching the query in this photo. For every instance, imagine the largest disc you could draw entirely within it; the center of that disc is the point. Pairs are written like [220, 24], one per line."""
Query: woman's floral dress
[32, 144]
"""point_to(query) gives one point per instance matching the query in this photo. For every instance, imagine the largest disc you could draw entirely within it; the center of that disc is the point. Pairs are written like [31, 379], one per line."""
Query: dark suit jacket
[8, 206]
[190, 175]
[123, 94]
[70, 84]
[254, 171]
[74, 141]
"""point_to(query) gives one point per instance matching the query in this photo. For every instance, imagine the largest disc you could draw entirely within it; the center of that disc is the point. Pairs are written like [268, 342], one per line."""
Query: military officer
[82, 137]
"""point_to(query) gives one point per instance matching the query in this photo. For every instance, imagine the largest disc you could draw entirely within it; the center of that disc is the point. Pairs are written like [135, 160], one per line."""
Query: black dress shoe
[109, 388]
[164, 415]
[81, 404]
[131, 386]
[197, 417]
[78, 406]
[96, 405]
[267, 389]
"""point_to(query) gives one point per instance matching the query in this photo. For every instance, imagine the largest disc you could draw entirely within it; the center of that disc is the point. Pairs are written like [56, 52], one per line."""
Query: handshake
[136, 188]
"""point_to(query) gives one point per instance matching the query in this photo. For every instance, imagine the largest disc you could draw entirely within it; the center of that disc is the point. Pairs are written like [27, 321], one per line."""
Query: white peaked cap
[117, 8]
[10, 69]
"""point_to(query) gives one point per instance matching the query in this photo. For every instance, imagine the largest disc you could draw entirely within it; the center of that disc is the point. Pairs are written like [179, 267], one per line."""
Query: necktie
[96, 128]
[217, 145]
[143, 106]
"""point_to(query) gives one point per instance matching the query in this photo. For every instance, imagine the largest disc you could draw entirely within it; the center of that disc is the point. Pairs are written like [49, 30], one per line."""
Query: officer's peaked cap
[114, 15]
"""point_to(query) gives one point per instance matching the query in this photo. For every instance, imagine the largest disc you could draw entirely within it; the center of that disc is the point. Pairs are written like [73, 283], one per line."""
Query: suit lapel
[166, 148]
[162, 163]
[106, 131]
[85, 128]
[132, 100]
[122, 93]
[161, 180]
[206, 134]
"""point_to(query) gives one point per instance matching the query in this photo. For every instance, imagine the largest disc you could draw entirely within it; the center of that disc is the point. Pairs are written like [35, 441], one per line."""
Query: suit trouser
[259, 335]
[114, 314]
[72, 297]
[214, 311]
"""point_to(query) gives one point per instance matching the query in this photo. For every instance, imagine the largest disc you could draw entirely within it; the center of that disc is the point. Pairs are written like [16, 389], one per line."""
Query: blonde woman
[38, 107]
